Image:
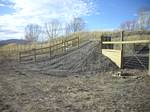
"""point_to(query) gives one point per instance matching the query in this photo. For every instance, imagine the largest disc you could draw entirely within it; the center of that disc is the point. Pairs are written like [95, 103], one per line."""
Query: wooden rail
[62, 46]
[128, 42]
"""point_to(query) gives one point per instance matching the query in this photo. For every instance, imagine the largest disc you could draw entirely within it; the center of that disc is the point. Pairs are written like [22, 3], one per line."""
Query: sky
[98, 14]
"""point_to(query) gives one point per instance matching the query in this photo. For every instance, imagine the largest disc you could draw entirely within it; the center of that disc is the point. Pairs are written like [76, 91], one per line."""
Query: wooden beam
[129, 42]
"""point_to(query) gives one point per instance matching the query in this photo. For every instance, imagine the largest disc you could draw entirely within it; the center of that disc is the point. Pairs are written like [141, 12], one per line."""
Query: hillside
[12, 41]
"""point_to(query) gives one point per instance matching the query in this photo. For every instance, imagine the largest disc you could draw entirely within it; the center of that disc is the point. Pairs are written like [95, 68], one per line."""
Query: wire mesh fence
[138, 59]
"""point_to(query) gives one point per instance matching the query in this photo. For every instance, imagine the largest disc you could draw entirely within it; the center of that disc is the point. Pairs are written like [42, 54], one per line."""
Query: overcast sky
[98, 14]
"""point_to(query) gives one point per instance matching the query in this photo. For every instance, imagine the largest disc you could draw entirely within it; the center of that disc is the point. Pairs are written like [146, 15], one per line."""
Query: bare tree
[52, 28]
[128, 25]
[143, 18]
[76, 25]
[32, 32]
[141, 23]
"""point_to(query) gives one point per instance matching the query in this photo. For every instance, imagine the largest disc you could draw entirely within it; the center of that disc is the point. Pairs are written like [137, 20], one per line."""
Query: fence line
[63, 45]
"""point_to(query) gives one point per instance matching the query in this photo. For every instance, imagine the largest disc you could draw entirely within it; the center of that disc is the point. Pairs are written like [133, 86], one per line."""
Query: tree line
[53, 29]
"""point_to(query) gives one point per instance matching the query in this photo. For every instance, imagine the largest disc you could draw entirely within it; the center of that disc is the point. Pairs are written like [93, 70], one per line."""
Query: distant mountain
[13, 41]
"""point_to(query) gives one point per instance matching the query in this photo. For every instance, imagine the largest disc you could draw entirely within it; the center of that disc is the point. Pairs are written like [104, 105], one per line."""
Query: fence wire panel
[136, 56]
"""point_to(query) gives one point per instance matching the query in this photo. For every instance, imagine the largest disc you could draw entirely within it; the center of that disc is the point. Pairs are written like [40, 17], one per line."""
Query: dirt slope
[85, 59]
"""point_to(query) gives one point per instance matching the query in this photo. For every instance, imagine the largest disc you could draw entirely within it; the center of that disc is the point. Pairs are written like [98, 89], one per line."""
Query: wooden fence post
[101, 43]
[19, 57]
[122, 50]
[62, 46]
[34, 50]
[50, 51]
[78, 41]
[149, 61]
[67, 46]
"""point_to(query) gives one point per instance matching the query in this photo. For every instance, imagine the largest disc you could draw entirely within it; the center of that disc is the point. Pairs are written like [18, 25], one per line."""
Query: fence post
[122, 50]
[34, 50]
[78, 41]
[101, 43]
[63, 44]
[19, 57]
[50, 51]
[149, 61]
[67, 46]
